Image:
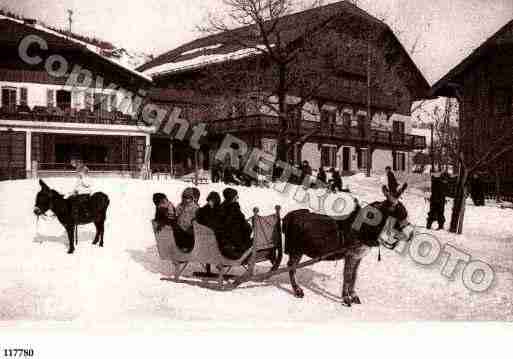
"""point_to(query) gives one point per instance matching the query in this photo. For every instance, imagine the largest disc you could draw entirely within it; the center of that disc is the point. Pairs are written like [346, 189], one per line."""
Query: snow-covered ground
[119, 286]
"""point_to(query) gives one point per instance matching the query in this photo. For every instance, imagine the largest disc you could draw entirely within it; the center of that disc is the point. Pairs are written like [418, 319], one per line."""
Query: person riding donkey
[82, 189]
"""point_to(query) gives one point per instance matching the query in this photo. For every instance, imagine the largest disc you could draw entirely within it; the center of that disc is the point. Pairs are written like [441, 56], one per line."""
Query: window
[361, 124]
[113, 102]
[63, 99]
[346, 119]
[398, 127]
[328, 156]
[399, 161]
[294, 116]
[88, 100]
[76, 99]
[361, 154]
[328, 117]
[240, 109]
[9, 97]
[23, 96]
[50, 98]
[100, 102]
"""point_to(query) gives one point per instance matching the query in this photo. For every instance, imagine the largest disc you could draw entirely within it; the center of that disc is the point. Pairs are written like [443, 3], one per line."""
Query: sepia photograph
[266, 168]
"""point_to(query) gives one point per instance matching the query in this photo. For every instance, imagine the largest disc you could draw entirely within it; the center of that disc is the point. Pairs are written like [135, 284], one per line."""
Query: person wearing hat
[82, 186]
[164, 211]
[185, 213]
[208, 215]
[437, 200]
[233, 233]
[392, 183]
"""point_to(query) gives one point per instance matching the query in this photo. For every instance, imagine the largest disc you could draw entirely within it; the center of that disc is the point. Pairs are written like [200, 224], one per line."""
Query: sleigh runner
[267, 246]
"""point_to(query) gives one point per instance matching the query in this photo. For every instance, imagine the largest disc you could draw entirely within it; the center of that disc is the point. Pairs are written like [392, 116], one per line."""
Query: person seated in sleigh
[233, 232]
[185, 214]
[165, 212]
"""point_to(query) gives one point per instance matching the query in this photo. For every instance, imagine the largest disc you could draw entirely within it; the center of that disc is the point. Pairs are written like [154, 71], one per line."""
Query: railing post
[34, 170]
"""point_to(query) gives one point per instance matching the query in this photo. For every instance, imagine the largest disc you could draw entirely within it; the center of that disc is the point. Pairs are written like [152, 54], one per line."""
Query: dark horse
[316, 235]
[70, 213]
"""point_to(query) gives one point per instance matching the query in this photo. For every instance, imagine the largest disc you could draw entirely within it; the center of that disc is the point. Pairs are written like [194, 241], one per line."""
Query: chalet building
[235, 84]
[48, 114]
[483, 85]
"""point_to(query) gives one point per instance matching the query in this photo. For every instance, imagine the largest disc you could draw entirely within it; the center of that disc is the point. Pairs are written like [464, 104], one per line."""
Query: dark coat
[163, 217]
[229, 176]
[392, 182]
[321, 176]
[233, 233]
[208, 216]
[477, 191]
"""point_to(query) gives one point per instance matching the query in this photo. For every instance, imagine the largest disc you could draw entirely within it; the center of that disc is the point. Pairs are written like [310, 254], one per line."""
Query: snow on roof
[211, 47]
[203, 60]
[92, 48]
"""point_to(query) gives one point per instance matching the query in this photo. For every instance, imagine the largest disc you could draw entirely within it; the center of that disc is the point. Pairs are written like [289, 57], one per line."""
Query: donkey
[70, 212]
[317, 235]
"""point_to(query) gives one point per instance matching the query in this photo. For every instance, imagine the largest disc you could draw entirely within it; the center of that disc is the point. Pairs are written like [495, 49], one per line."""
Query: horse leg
[347, 286]
[293, 260]
[71, 240]
[354, 298]
[99, 224]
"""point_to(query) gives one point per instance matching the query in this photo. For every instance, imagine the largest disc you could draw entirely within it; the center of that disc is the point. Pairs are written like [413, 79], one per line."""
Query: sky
[445, 31]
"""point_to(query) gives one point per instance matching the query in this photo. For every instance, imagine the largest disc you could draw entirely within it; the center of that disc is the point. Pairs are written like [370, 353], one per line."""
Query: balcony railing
[55, 114]
[340, 133]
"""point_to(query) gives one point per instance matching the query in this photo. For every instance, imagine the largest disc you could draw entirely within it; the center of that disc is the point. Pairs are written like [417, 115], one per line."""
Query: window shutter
[88, 100]
[394, 160]
[403, 161]
[75, 99]
[23, 96]
[113, 102]
[50, 98]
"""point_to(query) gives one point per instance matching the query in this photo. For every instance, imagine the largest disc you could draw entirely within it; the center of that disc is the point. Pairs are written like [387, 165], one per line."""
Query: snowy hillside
[119, 286]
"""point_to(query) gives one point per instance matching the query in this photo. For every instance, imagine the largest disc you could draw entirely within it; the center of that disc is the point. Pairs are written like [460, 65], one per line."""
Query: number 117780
[17, 352]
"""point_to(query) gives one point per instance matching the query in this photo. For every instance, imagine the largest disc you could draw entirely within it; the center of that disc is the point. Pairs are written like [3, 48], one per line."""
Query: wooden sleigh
[266, 246]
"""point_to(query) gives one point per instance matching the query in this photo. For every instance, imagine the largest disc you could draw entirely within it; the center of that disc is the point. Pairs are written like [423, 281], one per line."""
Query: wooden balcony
[55, 114]
[335, 134]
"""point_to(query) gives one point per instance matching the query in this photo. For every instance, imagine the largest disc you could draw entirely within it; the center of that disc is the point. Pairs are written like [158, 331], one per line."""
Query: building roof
[503, 37]
[221, 47]
[13, 30]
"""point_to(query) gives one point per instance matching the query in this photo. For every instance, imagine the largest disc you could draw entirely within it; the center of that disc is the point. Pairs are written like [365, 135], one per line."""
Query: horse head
[45, 199]
[396, 226]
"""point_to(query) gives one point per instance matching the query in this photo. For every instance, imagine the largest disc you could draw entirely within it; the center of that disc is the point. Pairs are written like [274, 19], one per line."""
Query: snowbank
[119, 286]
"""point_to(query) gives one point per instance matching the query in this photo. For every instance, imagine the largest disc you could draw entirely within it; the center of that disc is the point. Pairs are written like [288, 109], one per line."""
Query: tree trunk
[368, 125]
[458, 208]
[498, 185]
[281, 146]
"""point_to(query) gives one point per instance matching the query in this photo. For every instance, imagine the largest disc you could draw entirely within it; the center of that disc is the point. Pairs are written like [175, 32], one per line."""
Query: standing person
[229, 177]
[215, 171]
[233, 233]
[336, 180]
[437, 200]
[321, 176]
[306, 170]
[477, 190]
[391, 180]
